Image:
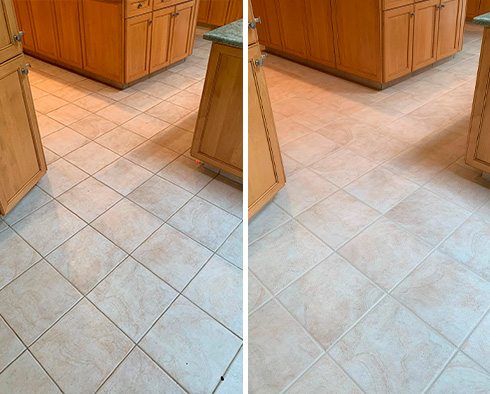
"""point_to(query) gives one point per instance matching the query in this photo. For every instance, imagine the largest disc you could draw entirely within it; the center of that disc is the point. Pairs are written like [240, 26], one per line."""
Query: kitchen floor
[121, 271]
[370, 270]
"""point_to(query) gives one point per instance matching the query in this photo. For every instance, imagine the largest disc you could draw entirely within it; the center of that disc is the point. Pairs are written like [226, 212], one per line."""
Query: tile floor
[370, 271]
[121, 271]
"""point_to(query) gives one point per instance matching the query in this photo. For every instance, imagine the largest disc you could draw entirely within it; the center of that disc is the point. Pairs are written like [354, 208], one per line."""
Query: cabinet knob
[253, 24]
[176, 14]
[150, 21]
[259, 63]
[412, 14]
[19, 36]
[443, 5]
[25, 70]
[140, 5]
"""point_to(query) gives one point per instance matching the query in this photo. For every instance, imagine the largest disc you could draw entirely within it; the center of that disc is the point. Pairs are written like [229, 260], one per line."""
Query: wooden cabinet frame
[13, 48]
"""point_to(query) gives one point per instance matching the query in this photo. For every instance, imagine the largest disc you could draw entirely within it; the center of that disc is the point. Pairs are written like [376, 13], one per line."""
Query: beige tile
[141, 101]
[10, 344]
[186, 99]
[224, 193]
[197, 88]
[384, 351]
[127, 225]
[279, 349]
[173, 79]
[257, 294]
[151, 156]
[140, 374]
[93, 126]
[33, 200]
[93, 102]
[477, 346]
[64, 141]
[118, 113]
[183, 256]
[50, 157]
[309, 149]
[37, 93]
[196, 73]
[156, 89]
[116, 94]
[68, 114]
[82, 349]
[290, 166]
[33, 302]
[205, 223]
[174, 138]
[191, 346]
[324, 377]
[349, 296]
[168, 112]
[48, 103]
[233, 380]
[267, 219]
[132, 297]
[145, 125]
[338, 218]
[288, 130]
[188, 122]
[303, 189]
[402, 102]
[293, 106]
[428, 289]
[123, 176]
[377, 115]
[428, 216]
[232, 249]
[86, 259]
[50, 84]
[377, 147]
[91, 157]
[484, 211]
[187, 174]
[16, 256]
[218, 289]
[409, 129]
[26, 376]
[461, 373]
[461, 186]
[72, 93]
[48, 227]
[61, 176]
[317, 117]
[160, 197]
[48, 125]
[285, 254]
[345, 130]
[120, 140]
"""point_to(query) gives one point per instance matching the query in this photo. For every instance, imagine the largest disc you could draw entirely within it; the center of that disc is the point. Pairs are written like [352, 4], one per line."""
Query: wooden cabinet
[397, 42]
[203, 12]
[484, 7]
[268, 29]
[319, 29]
[182, 32]
[45, 34]
[235, 11]
[265, 169]
[292, 17]
[218, 139]
[219, 12]
[25, 24]
[9, 46]
[138, 41]
[68, 30]
[162, 28]
[426, 27]
[448, 38]
[472, 8]
[138, 7]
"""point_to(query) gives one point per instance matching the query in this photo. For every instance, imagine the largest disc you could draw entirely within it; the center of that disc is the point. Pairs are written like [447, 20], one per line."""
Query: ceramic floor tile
[175, 138]
[257, 294]
[381, 189]
[33, 200]
[94, 102]
[428, 215]
[157, 89]
[377, 147]
[279, 349]
[93, 126]
[64, 141]
[86, 259]
[48, 125]
[127, 225]
[385, 252]
[285, 254]
[377, 116]
[191, 346]
[82, 349]
[288, 130]
[48, 103]
[470, 245]
[123, 176]
[309, 149]
[187, 174]
[205, 223]
[72, 93]
[139, 374]
[116, 94]
[349, 296]
[346, 130]
[224, 193]
[233, 380]
[176, 80]
[477, 346]
[68, 114]
[168, 112]
[151, 156]
[61, 176]
[48, 227]
[303, 189]
[91, 157]
[461, 374]
[338, 218]
[26, 376]
[34, 301]
[118, 113]
[145, 125]
[193, 72]
[173, 256]
[383, 352]
[50, 157]
[132, 297]
[317, 117]
[10, 344]
[186, 99]
[484, 211]
[268, 218]
[428, 289]
[232, 249]
[324, 377]
[141, 101]
[120, 140]
[293, 106]
[218, 289]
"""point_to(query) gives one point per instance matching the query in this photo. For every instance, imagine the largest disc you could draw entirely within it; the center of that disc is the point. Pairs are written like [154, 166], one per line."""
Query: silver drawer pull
[253, 24]
[19, 36]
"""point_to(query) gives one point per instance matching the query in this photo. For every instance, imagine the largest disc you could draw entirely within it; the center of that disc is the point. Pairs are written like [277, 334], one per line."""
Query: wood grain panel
[320, 32]
[138, 43]
[292, 24]
[45, 35]
[25, 24]
[162, 28]
[68, 30]
[426, 27]
[448, 39]
[182, 31]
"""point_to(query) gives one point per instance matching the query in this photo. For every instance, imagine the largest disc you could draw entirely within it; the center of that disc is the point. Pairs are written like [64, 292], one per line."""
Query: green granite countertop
[231, 34]
[483, 20]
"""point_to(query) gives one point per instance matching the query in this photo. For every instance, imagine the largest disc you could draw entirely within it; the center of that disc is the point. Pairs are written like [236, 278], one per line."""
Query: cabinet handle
[176, 14]
[25, 70]
[253, 24]
[260, 62]
[412, 14]
[443, 5]
[19, 36]
[150, 21]
[140, 5]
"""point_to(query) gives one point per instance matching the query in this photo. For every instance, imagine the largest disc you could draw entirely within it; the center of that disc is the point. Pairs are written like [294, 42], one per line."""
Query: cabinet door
[9, 47]
[357, 29]
[22, 161]
[25, 24]
[138, 39]
[268, 30]
[203, 13]
[235, 11]
[397, 42]
[484, 7]
[43, 15]
[68, 28]
[425, 31]
[183, 27]
[320, 32]
[472, 8]
[252, 31]
[448, 39]
[293, 26]
[102, 43]
[160, 38]
[265, 169]
[217, 12]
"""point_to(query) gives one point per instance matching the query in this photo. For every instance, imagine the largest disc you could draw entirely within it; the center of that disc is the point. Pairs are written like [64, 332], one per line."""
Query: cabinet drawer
[159, 4]
[389, 4]
[138, 7]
